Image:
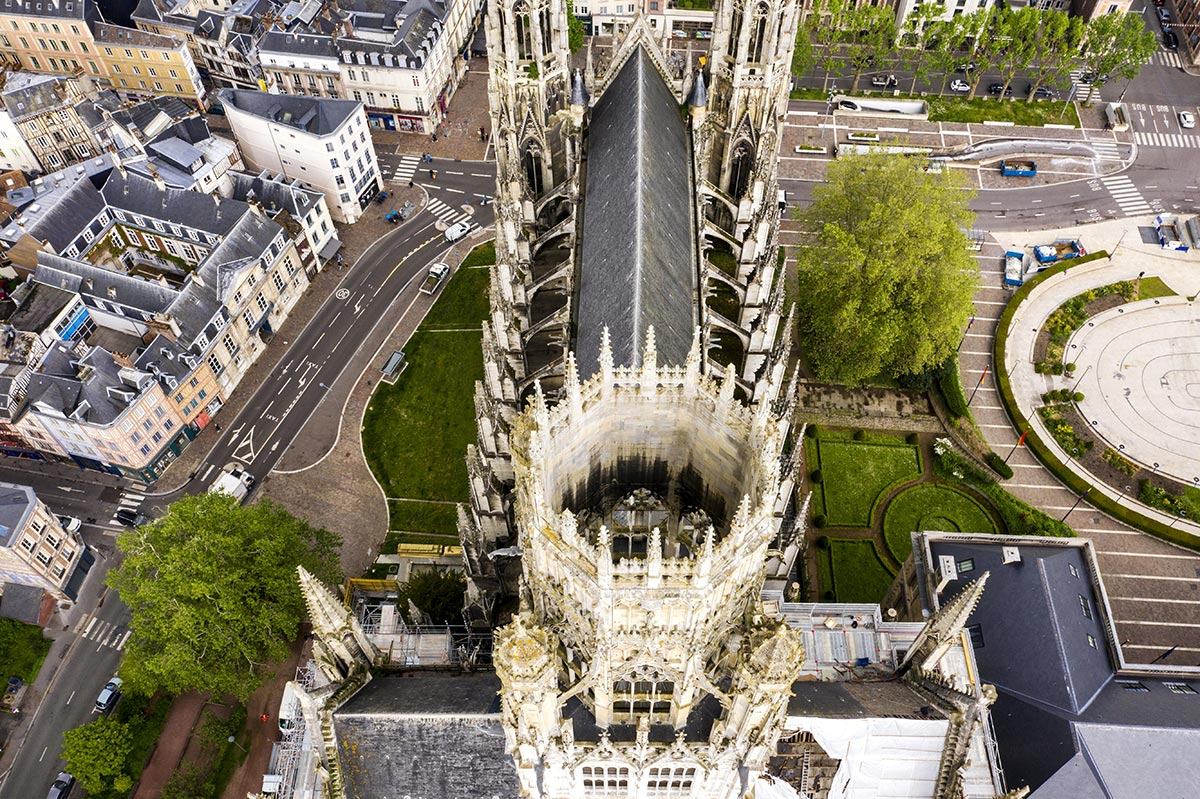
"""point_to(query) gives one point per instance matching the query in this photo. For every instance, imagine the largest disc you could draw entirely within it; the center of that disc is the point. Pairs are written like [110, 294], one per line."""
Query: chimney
[158, 181]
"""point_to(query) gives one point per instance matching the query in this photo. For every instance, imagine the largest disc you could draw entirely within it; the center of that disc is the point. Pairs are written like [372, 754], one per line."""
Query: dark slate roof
[176, 152]
[106, 33]
[314, 115]
[73, 275]
[277, 41]
[21, 602]
[142, 115]
[857, 700]
[139, 195]
[16, 503]
[57, 384]
[68, 215]
[63, 9]
[1035, 641]
[275, 194]
[39, 307]
[28, 94]
[639, 249]
[432, 734]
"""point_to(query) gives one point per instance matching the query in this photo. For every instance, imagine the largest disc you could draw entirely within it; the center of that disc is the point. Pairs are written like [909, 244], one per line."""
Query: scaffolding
[291, 773]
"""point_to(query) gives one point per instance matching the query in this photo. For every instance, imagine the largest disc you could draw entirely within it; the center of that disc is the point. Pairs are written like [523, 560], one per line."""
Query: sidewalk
[172, 742]
[458, 134]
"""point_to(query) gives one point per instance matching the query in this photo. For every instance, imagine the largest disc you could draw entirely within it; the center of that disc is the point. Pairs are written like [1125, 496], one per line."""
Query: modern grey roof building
[1072, 720]
[310, 114]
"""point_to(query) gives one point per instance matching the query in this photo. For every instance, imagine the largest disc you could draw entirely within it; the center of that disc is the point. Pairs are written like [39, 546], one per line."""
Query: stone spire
[944, 627]
[340, 646]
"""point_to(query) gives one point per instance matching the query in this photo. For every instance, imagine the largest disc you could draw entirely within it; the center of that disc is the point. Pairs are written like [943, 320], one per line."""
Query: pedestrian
[264, 717]
[482, 134]
[410, 183]
[218, 427]
[433, 174]
[434, 135]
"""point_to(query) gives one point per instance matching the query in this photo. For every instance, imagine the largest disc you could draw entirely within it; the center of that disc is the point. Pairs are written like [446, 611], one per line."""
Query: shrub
[1077, 396]
[1039, 367]
[816, 477]
[860, 434]
[998, 465]
[822, 542]
[819, 521]
[1119, 462]
[912, 438]
[827, 596]
[810, 431]
[1057, 368]
[1070, 367]
[951, 387]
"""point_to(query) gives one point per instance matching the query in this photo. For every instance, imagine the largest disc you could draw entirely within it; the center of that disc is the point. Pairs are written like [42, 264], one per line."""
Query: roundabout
[1139, 367]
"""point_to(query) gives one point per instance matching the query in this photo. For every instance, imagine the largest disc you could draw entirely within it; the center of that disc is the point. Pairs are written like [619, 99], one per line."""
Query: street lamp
[1181, 514]
[233, 741]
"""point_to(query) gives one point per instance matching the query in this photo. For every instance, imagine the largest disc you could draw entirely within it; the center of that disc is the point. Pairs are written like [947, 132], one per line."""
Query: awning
[262, 322]
[330, 249]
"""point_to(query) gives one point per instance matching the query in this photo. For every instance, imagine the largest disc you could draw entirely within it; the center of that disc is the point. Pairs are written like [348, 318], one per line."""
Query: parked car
[1164, 15]
[1187, 120]
[1092, 77]
[958, 85]
[997, 88]
[1170, 40]
[967, 67]
[457, 231]
[1042, 92]
[886, 81]
[61, 786]
[110, 694]
[130, 518]
[705, 34]
[679, 33]
[70, 523]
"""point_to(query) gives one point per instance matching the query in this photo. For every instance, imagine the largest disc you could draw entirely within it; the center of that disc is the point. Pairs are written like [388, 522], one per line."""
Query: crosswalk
[1109, 150]
[446, 213]
[1166, 58]
[1126, 195]
[105, 633]
[1147, 138]
[1081, 85]
[407, 168]
[130, 501]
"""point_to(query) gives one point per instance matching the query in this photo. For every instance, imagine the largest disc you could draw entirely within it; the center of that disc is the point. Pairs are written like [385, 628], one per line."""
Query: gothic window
[735, 29]
[645, 694]
[544, 16]
[604, 780]
[524, 40]
[758, 34]
[740, 169]
[533, 169]
[670, 781]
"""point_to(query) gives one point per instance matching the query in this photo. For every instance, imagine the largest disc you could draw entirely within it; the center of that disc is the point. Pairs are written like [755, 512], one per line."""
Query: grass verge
[23, 648]
[859, 574]
[1153, 287]
[429, 517]
[855, 473]
[481, 255]
[462, 304]
[1019, 112]
[931, 507]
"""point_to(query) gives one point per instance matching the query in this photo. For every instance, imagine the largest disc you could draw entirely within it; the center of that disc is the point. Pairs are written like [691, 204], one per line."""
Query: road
[320, 364]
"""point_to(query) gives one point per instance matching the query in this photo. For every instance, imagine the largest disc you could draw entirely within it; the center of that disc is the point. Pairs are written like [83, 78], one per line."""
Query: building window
[58, 572]
[1085, 606]
[168, 425]
[27, 544]
[157, 437]
[278, 281]
[249, 318]
[1179, 688]
[1074, 571]
[967, 565]
[1130, 685]
[145, 450]
[43, 558]
[230, 346]
[1091, 641]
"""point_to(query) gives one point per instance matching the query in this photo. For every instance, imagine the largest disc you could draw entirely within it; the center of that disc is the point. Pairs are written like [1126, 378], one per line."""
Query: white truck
[235, 481]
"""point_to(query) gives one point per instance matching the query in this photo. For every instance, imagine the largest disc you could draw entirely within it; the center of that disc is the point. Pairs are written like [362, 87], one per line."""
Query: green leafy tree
[988, 29]
[804, 56]
[1116, 45]
[947, 38]
[827, 17]
[885, 277]
[1056, 45]
[96, 754]
[213, 595]
[574, 29]
[439, 595]
[1017, 31]
[868, 34]
[917, 55]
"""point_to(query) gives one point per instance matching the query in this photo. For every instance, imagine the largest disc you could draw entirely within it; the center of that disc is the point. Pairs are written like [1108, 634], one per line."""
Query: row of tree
[842, 39]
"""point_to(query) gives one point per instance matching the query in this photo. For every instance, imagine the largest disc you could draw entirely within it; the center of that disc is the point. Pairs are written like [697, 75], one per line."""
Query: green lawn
[22, 650]
[1037, 113]
[1153, 287]
[482, 255]
[859, 574]
[855, 473]
[416, 432]
[931, 507]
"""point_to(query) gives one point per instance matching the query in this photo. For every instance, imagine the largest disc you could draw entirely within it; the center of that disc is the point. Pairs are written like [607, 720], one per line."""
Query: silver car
[457, 231]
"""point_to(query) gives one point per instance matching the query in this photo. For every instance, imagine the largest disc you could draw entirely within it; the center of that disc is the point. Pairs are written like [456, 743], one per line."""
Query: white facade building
[323, 143]
[14, 152]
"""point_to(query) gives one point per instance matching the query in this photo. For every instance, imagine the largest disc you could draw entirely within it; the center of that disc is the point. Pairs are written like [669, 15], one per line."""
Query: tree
[213, 595]
[96, 754]
[885, 278]
[919, 26]
[947, 39]
[1055, 49]
[827, 17]
[1116, 44]
[868, 34]
[987, 27]
[439, 595]
[574, 29]
[1017, 32]
[804, 57]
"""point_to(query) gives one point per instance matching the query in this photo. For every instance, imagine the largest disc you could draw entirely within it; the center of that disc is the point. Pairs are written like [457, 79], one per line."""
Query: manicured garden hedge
[1039, 449]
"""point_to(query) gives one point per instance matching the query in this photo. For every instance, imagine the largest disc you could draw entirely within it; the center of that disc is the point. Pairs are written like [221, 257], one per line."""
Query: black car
[1170, 40]
[130, 518]
[1044, 92]
[997, 88]
[62, 786]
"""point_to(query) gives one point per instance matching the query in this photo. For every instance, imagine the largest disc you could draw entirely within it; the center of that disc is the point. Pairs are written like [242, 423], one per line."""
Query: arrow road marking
[247, 444]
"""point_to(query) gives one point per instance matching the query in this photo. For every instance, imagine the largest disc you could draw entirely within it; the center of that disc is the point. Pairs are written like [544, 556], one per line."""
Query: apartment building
[35, 549]
[148, 63]
[154, 301]
[223, 38]
[15, 152]
[301, 63]
[301, 211]
[51, 35]
[44, 110]
[323, 143]
[188, 156]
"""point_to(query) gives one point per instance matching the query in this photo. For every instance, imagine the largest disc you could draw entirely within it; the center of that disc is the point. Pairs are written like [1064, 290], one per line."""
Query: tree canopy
[1117, 45]
[436, 594]
[574, 29]
[212, 590]
[96, 754]
[885, 277]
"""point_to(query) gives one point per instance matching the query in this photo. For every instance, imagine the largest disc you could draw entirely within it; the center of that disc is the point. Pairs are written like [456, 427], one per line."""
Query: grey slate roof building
[1072, 720]
[427, 733]
[639, 239]
[26, 94]
[310, 114]
[16, 503]
[93, 388]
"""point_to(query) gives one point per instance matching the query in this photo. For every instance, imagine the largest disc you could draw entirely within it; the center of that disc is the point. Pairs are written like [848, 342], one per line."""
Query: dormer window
[112, 292]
